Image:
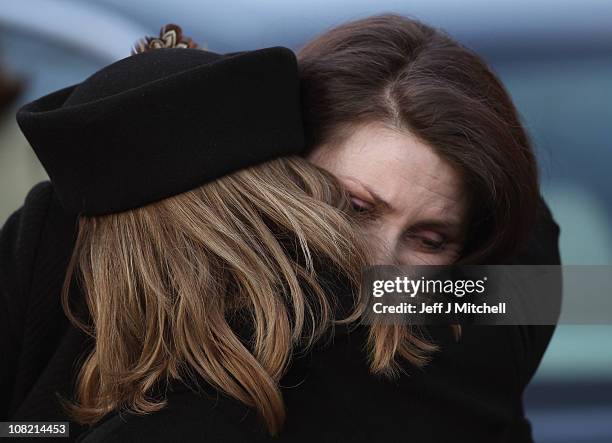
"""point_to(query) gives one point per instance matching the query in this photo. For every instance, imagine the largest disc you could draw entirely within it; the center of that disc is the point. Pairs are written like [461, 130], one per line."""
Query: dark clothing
[471, 391]
[39, 346]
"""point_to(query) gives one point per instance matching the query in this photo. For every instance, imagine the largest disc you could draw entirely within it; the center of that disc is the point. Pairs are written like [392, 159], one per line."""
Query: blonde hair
[220, 283]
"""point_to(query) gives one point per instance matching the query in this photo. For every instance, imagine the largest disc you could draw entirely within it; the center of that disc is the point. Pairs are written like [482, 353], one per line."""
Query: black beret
[163, 122]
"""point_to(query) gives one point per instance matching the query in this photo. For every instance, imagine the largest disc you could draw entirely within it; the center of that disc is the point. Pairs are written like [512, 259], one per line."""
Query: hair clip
[170, 36]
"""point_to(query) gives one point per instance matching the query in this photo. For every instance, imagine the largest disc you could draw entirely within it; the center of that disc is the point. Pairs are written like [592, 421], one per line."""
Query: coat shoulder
[35, 245]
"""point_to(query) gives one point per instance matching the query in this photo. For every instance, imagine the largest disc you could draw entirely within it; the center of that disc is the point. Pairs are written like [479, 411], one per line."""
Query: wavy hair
[221, 284]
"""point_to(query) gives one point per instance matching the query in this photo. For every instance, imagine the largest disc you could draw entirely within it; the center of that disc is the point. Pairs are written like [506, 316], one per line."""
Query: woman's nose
[384, 247]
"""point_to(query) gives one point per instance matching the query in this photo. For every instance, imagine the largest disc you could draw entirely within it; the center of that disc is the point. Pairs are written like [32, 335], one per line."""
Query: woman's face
[413, 204]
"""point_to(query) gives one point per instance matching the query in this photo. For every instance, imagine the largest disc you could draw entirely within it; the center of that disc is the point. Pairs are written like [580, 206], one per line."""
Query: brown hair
[401, 72]
[222, 282]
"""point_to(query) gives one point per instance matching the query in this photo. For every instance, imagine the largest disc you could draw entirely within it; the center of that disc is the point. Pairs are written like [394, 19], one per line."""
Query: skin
[410, 201]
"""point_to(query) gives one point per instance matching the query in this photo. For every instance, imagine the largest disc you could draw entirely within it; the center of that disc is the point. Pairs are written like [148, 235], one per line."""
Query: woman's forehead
[393, 163]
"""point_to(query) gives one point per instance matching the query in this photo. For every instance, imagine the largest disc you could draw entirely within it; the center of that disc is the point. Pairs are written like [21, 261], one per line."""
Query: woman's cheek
[411, 257]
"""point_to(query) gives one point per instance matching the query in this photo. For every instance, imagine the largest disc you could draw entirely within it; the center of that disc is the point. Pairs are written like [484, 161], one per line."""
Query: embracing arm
[542, 249]
[18, 243]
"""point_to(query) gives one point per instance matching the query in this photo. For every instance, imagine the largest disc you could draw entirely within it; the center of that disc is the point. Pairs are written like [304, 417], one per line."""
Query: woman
[201, 238]
[432, 152]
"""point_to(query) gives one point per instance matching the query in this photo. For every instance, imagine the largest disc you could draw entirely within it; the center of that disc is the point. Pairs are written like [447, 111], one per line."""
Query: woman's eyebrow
[451, 225]
[380, 201]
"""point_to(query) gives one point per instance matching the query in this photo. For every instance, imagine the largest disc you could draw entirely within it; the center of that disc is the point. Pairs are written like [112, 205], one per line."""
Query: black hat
[163, 122]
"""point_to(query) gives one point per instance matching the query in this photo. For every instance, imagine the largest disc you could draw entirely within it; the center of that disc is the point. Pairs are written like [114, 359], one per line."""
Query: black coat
[471, 391]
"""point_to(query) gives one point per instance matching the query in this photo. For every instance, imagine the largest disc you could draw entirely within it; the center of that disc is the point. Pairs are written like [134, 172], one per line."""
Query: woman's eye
[427, 243]
[433, 245]
[360, 206]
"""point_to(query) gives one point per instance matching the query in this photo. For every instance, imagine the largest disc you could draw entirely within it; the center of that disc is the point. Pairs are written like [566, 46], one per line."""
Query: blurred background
[555, 57]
